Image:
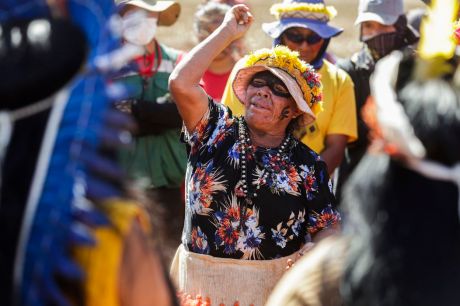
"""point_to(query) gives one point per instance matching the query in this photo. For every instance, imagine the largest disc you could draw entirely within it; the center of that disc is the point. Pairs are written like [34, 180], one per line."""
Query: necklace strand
[245, 149]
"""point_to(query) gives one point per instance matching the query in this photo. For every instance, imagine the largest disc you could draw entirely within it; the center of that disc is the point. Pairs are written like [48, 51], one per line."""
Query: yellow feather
[436, 39]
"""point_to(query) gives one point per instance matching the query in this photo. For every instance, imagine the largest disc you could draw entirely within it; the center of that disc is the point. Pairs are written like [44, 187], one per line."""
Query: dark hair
[296, 128]
[405, 229]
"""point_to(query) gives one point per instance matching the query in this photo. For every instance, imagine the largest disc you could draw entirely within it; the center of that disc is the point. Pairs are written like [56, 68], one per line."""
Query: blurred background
[342, 46]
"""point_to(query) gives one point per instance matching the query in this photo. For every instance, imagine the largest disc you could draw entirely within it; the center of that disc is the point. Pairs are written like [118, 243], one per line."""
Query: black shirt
[294, 194]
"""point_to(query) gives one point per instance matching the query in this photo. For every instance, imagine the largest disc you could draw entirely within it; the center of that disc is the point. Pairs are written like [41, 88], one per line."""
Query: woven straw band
[305, 15]
[223, 281]
[319, 12]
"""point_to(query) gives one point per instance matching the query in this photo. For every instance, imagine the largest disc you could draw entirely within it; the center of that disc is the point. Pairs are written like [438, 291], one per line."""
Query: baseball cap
[382, 11]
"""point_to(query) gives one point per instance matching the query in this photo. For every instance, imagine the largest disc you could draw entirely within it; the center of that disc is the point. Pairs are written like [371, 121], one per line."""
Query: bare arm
[334, 151]
[190, 98]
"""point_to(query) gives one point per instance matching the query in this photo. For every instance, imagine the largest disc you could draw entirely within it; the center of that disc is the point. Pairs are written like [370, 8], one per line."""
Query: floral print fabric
[293, 202]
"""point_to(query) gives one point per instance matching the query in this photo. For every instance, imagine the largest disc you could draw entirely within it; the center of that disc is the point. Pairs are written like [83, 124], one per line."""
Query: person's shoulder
[362, 61]
[171, 52]
[336, 73]
[346, 64]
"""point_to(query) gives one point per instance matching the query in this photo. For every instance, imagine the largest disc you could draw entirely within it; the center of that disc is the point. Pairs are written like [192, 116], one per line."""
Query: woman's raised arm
[191, 99]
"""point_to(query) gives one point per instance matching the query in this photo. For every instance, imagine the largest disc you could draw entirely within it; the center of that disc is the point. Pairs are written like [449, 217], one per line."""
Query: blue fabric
[287, 2]
[307, 1]
[22, 9]
[92, 17]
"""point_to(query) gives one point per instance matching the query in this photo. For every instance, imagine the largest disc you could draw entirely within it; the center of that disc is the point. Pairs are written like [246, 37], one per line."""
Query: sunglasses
[297, 38]
[277, 86]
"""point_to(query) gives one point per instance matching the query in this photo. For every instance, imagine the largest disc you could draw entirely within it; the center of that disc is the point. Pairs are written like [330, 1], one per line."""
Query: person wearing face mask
[303, 26]
[157, 159]
[383, 28]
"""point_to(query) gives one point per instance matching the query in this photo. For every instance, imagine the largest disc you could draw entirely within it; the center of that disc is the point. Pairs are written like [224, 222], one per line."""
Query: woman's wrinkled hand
[238, 20]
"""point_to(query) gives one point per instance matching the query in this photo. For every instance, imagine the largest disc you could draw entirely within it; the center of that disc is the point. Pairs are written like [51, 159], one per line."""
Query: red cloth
[214, 84]
[145, 64]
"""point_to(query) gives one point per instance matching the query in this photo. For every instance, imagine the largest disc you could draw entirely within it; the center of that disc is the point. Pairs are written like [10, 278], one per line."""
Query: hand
[238, 20]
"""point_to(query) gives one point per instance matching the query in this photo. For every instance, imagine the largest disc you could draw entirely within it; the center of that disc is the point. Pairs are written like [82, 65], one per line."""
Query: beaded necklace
[246, 148]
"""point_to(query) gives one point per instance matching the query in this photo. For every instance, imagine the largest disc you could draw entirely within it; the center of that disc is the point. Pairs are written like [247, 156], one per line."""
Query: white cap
[383, 11]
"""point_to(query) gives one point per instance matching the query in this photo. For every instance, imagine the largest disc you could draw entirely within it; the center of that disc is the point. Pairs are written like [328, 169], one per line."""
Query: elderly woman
[255, 195]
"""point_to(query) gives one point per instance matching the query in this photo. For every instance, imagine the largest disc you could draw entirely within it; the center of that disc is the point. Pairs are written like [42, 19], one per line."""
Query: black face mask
[383, 44]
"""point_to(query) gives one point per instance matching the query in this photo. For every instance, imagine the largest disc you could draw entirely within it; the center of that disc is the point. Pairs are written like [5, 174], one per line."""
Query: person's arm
[334, 151]
[190, 98]
[342, 126]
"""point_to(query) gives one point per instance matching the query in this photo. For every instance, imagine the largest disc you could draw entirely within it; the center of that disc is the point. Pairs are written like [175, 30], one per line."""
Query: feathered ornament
[396, 134]
[76, 168]
[436, 45]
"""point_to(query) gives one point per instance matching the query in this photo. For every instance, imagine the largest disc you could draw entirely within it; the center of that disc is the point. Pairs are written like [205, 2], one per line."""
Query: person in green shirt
[157, 160]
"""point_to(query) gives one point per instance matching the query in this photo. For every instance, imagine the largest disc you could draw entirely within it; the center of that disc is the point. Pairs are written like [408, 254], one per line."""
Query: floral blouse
[293, 202]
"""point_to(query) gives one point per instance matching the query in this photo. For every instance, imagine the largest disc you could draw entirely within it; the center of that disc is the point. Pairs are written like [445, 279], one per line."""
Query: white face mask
[138, 28]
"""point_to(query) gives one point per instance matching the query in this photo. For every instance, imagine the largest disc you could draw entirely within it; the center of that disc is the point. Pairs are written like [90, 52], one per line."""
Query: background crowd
[173, 142]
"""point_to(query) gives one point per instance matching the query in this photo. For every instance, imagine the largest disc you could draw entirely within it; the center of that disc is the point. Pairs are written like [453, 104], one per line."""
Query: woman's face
[269, 106]
[304, 41]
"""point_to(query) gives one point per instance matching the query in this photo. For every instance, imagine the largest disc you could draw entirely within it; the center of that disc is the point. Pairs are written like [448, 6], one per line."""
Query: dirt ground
[180, 35]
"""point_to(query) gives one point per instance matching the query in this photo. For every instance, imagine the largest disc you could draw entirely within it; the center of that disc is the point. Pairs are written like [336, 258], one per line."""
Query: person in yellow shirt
[302, 25]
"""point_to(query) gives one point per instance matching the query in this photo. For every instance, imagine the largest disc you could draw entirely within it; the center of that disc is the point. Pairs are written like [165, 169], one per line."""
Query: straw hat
[300, 78]
[168, 10]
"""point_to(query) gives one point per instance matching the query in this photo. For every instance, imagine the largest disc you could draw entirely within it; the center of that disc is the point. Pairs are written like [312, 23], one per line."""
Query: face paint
[266, 78]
